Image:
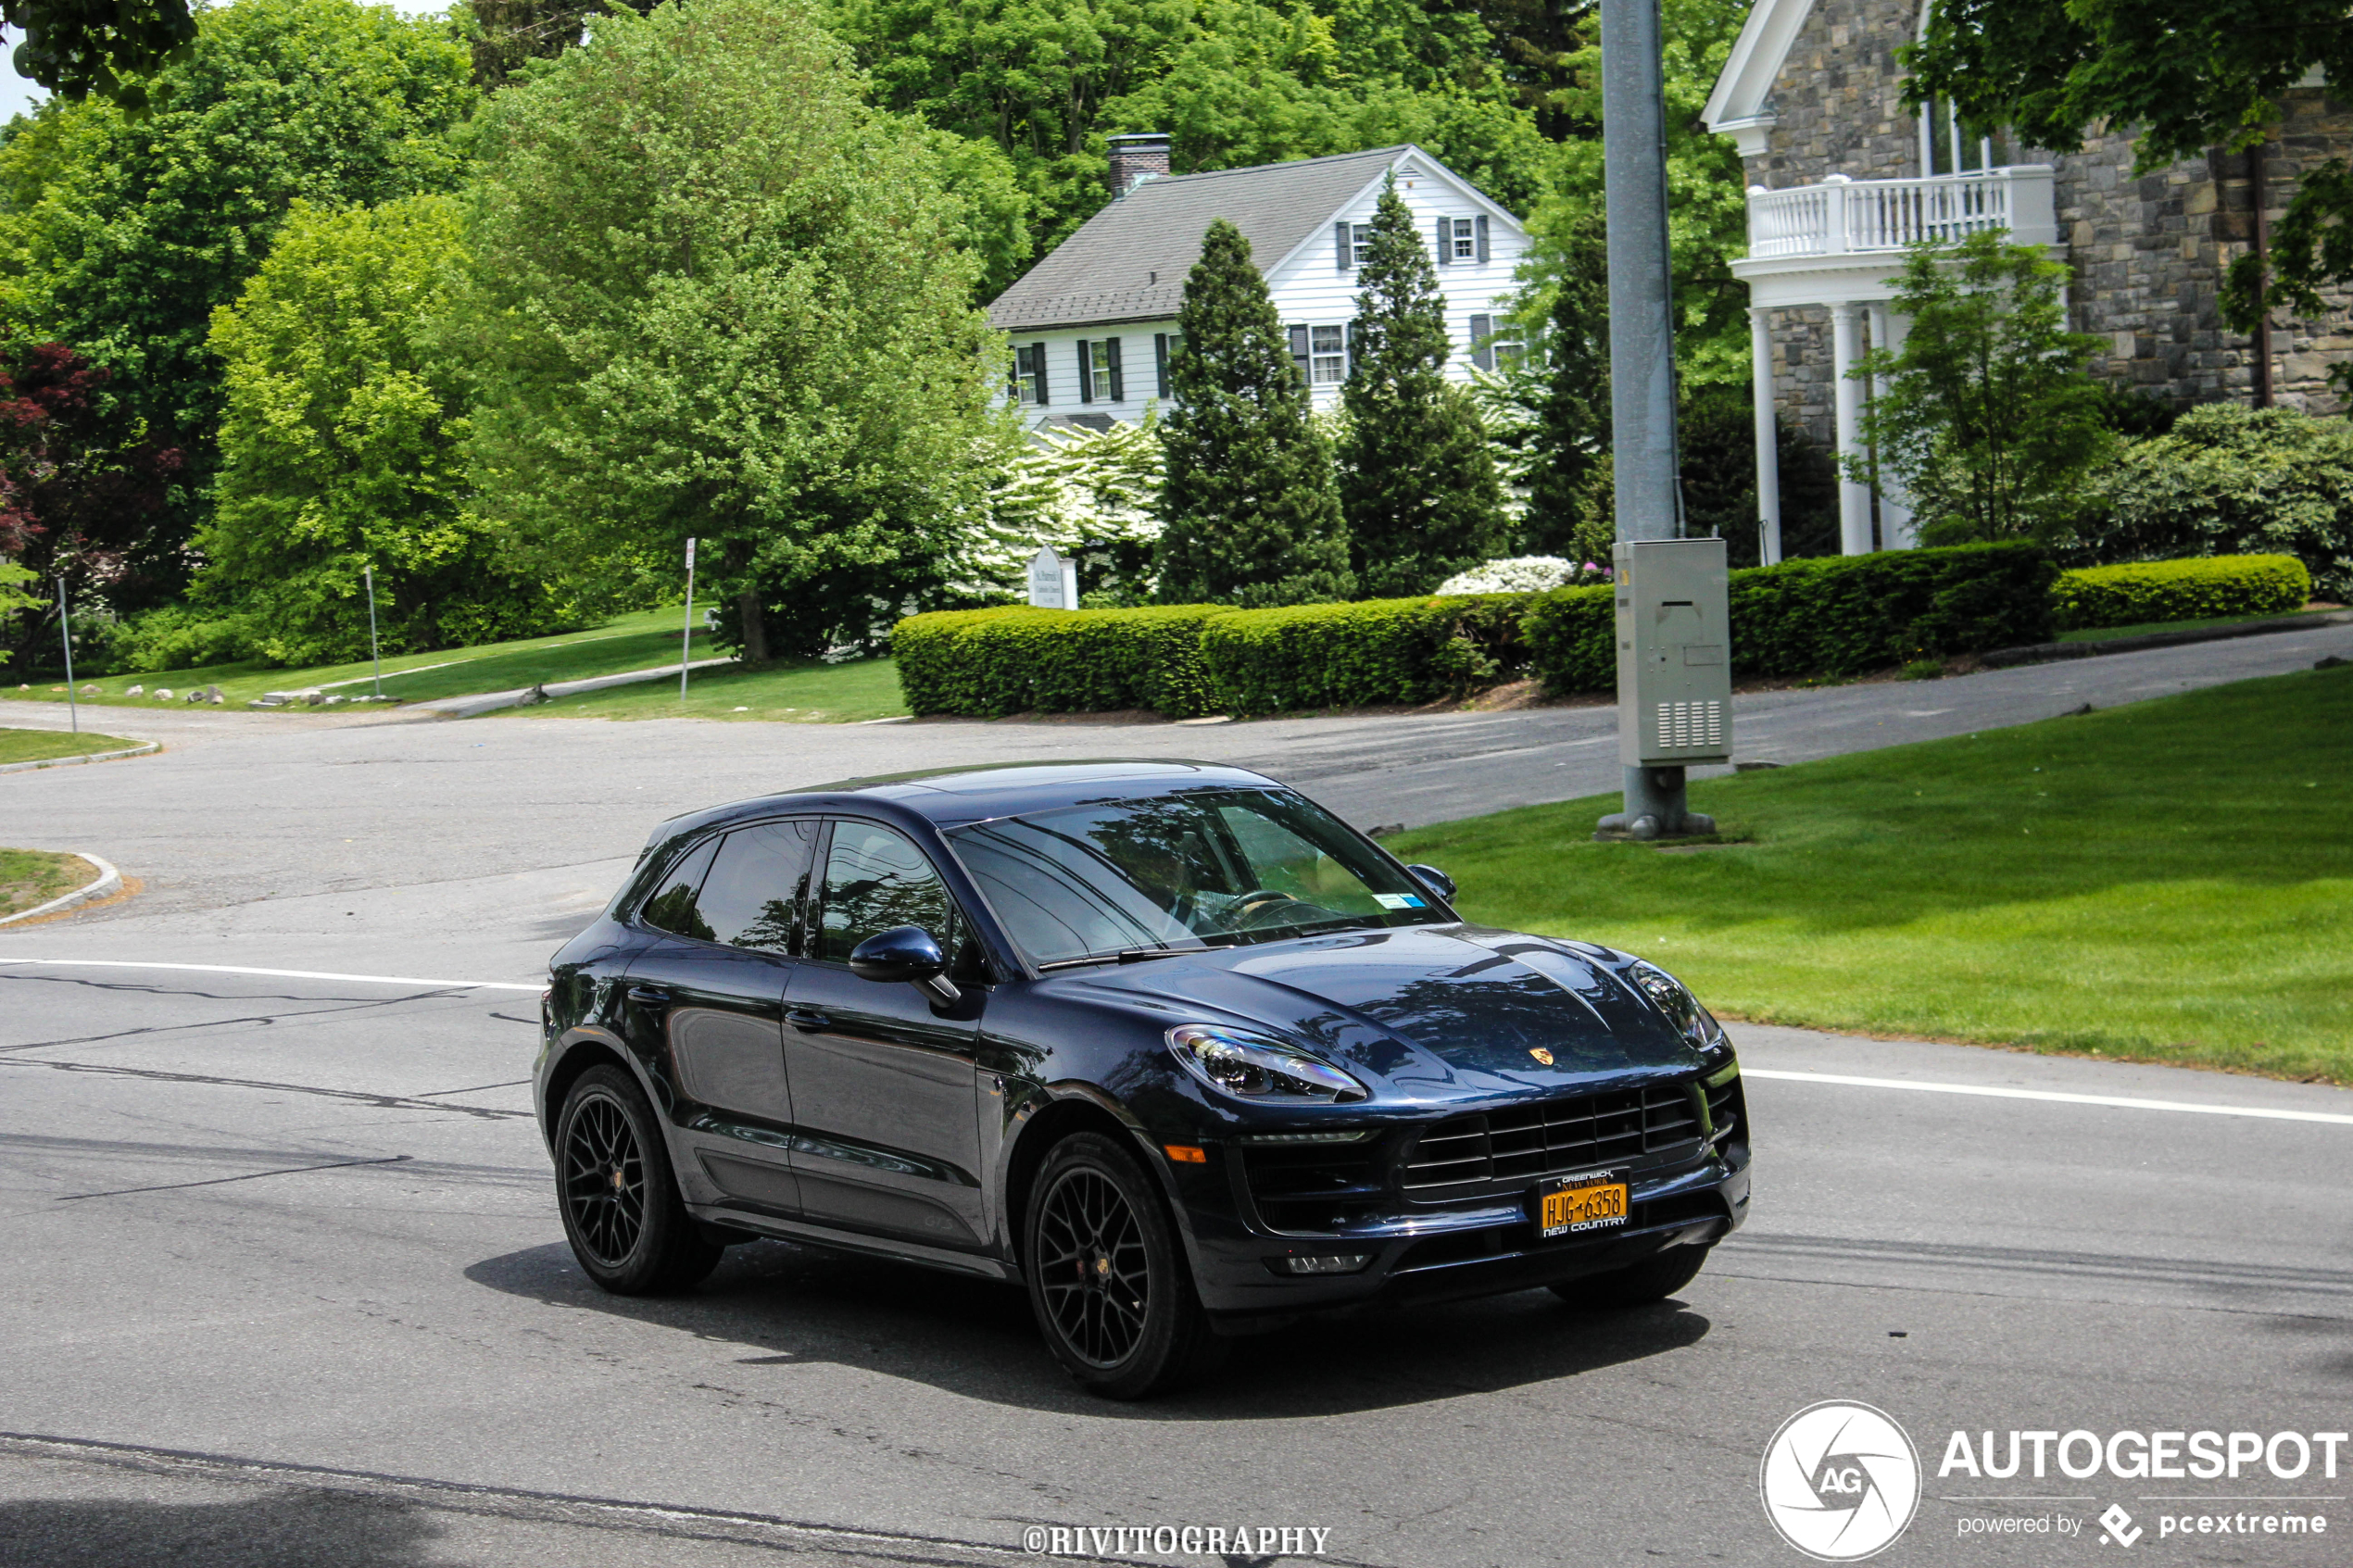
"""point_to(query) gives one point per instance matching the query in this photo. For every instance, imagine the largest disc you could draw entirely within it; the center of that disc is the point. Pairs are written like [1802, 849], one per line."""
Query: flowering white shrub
[1524, 574]
[1066, 486]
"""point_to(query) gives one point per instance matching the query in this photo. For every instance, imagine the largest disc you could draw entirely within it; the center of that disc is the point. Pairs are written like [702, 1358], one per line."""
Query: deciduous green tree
[713, 294]
[1572, 441]
[1417, 485]
[122, 234]
[1250, 513]
[339, 450]
[1988, 416]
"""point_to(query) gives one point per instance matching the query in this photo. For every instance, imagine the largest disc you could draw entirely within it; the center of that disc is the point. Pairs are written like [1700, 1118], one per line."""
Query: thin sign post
[687, 634]
[65, 631]
[375, 653]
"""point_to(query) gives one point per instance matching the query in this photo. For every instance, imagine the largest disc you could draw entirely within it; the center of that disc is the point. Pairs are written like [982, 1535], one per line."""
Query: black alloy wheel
[1638, 1285]
[1107, 1276]
[622, 1211]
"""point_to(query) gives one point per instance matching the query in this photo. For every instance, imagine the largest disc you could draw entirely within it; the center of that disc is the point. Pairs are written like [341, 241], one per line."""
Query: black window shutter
[1345, 245]
[1482, 327]
[1445, 241]
[1086, 374]
[1111, 363]
[1037, 361]
[1160, 362]
[1298, 352]
[1479, 226]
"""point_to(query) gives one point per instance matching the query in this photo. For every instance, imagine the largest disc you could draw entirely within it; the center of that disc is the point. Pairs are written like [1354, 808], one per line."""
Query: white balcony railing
[1843, 216]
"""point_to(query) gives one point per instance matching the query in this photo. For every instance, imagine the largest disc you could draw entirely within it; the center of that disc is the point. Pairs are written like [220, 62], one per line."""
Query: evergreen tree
[1417, 483]
[1251, 515]
[1572, 443]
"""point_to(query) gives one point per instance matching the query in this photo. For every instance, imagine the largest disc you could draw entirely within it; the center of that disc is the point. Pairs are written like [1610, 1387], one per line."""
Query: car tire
[619, 1197]
[1107, 1276]
[1653, 1279]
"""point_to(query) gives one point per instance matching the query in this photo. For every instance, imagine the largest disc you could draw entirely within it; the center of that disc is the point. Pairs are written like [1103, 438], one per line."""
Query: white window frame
[1940, 140]
[1464, 235]
[1025, 368]
[1098, 372]
[1360, 245]
[1327, 356]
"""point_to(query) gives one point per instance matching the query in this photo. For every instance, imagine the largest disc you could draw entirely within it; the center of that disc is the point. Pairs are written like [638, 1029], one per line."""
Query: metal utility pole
[65, 631]
[375, 654]
[1642, 369]
[686, 636]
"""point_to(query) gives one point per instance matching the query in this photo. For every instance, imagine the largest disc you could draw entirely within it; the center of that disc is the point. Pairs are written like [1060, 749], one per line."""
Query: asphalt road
[284, 1282]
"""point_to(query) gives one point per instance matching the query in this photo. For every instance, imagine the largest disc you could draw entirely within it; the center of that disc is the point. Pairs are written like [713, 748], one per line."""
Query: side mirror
[905, 955]
[1438, 882]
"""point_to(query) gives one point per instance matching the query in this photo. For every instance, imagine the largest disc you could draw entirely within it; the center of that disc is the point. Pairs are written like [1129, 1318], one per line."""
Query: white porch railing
[1843, 216]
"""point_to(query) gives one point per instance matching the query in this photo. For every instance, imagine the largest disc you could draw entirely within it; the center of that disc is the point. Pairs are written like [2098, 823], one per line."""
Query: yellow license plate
[1576, 1205]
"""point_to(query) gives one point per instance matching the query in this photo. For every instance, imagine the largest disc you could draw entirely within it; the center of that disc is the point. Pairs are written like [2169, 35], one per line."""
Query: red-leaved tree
[83, 485]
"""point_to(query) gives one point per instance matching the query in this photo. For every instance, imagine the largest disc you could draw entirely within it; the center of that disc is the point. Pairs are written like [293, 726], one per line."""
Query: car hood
[1427, 1008]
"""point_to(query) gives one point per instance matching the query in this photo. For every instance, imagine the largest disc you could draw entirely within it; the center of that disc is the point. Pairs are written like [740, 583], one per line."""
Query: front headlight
[1682, 1009]
[1251, 1066]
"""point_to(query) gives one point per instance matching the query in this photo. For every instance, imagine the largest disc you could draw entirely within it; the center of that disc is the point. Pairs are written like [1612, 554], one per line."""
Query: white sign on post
[1053, 582]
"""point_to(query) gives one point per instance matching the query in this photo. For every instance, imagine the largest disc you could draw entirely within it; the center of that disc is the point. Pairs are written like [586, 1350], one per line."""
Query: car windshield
[1204, 868]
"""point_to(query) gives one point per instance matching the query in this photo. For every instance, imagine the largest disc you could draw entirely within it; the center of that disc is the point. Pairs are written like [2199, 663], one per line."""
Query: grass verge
[631, 642]
[2170, 881]
[837, 694]
[39, 746]
[2106, 633]
[30, 878]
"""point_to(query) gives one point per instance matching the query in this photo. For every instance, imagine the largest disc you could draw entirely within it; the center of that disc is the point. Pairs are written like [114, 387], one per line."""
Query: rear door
[885, 1086]
[710, 990]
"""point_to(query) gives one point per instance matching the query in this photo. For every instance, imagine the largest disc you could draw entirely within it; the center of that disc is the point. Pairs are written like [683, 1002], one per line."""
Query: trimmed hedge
[1837, 615]
[1017, 659]
[1355, 655]
[2207, 588]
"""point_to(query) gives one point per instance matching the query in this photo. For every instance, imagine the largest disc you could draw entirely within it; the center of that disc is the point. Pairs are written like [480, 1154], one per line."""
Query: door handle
[806, 1021]
[649, 995]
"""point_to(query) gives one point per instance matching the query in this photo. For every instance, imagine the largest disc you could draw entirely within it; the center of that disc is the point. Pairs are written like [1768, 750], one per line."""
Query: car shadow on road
[280, 1529]
[793, 1306]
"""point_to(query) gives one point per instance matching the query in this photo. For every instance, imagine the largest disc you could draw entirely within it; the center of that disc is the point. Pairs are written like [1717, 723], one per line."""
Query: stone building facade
[1813, 97]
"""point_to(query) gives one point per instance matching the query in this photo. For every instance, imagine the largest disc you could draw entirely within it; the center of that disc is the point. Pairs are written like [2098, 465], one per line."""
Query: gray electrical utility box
[1674, 653]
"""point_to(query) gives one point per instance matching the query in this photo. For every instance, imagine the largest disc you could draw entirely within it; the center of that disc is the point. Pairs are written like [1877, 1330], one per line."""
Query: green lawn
[31, 877]
[2104, 634]
[2170, 881]
[630, 641]
[39, 745]
[865, 688]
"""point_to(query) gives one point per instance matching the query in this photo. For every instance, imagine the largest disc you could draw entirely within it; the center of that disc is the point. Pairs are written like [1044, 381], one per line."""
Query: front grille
[1313, 1187]
[1464, 1153]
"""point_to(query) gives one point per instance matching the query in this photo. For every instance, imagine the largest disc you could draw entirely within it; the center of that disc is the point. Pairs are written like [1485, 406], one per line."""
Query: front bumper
[1486, 1244]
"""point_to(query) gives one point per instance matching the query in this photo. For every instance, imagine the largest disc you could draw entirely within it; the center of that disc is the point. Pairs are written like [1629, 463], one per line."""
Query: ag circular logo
[1839, 1481]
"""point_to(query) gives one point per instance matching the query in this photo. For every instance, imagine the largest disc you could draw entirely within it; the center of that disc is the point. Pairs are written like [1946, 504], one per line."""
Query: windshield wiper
[1125, 955]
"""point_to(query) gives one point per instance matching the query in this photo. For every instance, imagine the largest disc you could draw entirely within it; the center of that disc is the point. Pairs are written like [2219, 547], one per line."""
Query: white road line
[281, 974]
[2122, 1102]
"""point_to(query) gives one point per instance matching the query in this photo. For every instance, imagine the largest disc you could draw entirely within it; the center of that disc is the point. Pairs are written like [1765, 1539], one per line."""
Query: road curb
[109, 881]
[492, 702]
[2041, 653]
[141, 751]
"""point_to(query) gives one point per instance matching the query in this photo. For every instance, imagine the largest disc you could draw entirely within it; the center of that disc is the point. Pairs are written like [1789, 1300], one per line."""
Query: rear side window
[757, 886]
[673, 907]
[875, 880]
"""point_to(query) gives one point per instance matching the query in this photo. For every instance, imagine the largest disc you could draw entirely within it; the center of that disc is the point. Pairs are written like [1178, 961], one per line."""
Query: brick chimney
[1136, 158]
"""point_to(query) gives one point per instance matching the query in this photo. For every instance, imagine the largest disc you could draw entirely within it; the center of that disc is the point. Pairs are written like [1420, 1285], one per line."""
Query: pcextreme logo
[1839, 1481]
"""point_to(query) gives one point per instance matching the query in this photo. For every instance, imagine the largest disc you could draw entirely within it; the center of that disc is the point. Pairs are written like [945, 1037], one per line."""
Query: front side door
[884, 1097]
[710, 992]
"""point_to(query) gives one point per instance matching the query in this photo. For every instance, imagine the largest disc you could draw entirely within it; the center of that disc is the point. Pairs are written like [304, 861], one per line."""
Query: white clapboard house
[1093, 323]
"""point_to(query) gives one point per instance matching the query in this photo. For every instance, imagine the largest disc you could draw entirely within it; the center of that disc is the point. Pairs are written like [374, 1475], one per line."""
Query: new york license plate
[1578, 1205]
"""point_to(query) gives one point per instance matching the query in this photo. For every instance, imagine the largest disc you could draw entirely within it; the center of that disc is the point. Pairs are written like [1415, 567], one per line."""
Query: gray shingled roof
[1104, 272]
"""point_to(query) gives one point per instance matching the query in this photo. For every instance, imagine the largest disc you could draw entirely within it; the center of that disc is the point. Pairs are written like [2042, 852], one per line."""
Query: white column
[1895, 515]
[1769, 455]
[1854, 498]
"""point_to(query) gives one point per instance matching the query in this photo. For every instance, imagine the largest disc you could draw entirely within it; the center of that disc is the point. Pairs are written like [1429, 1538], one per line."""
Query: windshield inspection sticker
[1398, 901]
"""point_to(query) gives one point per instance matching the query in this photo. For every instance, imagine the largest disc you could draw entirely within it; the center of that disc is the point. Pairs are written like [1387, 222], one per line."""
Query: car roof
[948, 797]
